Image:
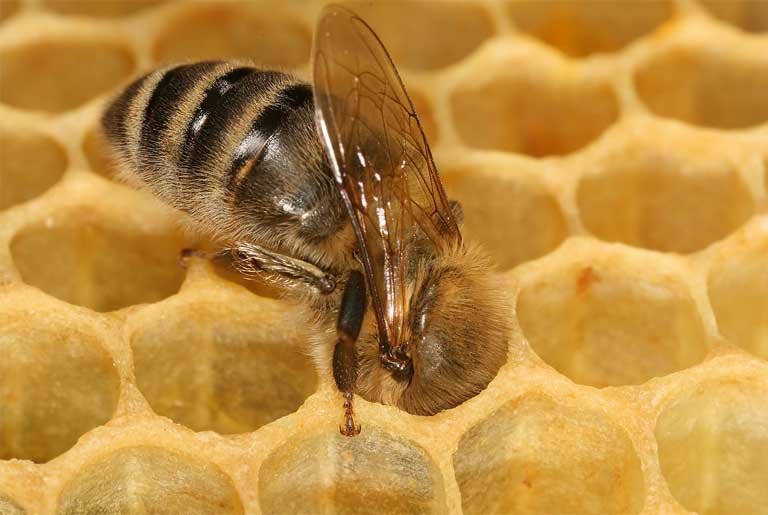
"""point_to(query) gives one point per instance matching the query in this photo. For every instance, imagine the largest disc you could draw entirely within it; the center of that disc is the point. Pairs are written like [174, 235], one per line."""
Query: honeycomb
[611, 156]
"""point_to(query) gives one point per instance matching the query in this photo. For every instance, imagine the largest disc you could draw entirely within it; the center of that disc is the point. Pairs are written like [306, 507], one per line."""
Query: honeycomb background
[612, 157]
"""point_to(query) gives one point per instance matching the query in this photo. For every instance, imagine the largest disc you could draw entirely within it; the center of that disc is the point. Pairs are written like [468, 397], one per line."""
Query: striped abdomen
[233, 146]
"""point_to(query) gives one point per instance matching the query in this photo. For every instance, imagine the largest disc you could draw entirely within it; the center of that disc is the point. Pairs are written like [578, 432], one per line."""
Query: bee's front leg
[345, 364]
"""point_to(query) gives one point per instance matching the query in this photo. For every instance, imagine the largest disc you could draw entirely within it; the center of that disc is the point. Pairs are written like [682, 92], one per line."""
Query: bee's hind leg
[345, 363]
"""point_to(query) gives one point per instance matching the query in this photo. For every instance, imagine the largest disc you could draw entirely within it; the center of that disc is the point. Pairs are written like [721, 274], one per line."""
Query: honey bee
[329, 190]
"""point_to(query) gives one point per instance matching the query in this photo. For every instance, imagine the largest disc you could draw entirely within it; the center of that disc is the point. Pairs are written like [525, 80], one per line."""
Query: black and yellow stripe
[232, 145]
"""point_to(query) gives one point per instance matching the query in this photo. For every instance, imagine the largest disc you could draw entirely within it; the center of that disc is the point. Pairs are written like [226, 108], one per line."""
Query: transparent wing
[380, 158]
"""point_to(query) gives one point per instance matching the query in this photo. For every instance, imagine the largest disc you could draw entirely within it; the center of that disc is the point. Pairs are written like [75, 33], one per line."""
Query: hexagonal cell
[738, 291]
[372, 473]
[83, 259]
[604, 323]
[100, 9]
[8, 8]
[444, 32]
[56, 383]
[23, 67]
[97, 152]
[224, 366]
[706, 86]
[531, 111]
[234, 31]
[713, 448]
[750, 15]
[672, 196]
[146, 479]
[536, 456]
[30, 163]
[514, 220]
[579, 29]
[9, 507]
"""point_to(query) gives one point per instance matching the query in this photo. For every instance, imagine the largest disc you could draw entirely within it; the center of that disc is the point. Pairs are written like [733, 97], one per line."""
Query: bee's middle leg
[251, 260]
[345, 362]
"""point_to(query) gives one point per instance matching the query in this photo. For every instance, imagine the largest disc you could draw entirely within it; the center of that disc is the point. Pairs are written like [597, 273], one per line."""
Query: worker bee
[329, 190]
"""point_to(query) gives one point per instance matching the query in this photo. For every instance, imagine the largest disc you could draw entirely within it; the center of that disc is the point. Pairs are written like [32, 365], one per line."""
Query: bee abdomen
[251, 152]
[233, 146]
[171, 108]
[143, 122]
[176, 128]
[232, 124]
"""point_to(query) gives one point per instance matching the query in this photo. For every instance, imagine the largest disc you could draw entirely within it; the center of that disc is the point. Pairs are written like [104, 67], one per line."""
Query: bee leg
[349, 427]
[345, 365]
[251, 259]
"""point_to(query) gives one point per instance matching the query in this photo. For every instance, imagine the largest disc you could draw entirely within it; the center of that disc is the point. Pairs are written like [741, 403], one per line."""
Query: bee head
[456, 338]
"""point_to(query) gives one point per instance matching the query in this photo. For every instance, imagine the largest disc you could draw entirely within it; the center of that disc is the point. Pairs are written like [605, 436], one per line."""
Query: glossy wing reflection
[381, 161]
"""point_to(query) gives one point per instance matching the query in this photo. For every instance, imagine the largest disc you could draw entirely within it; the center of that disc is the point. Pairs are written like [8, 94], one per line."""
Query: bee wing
[380, 159]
